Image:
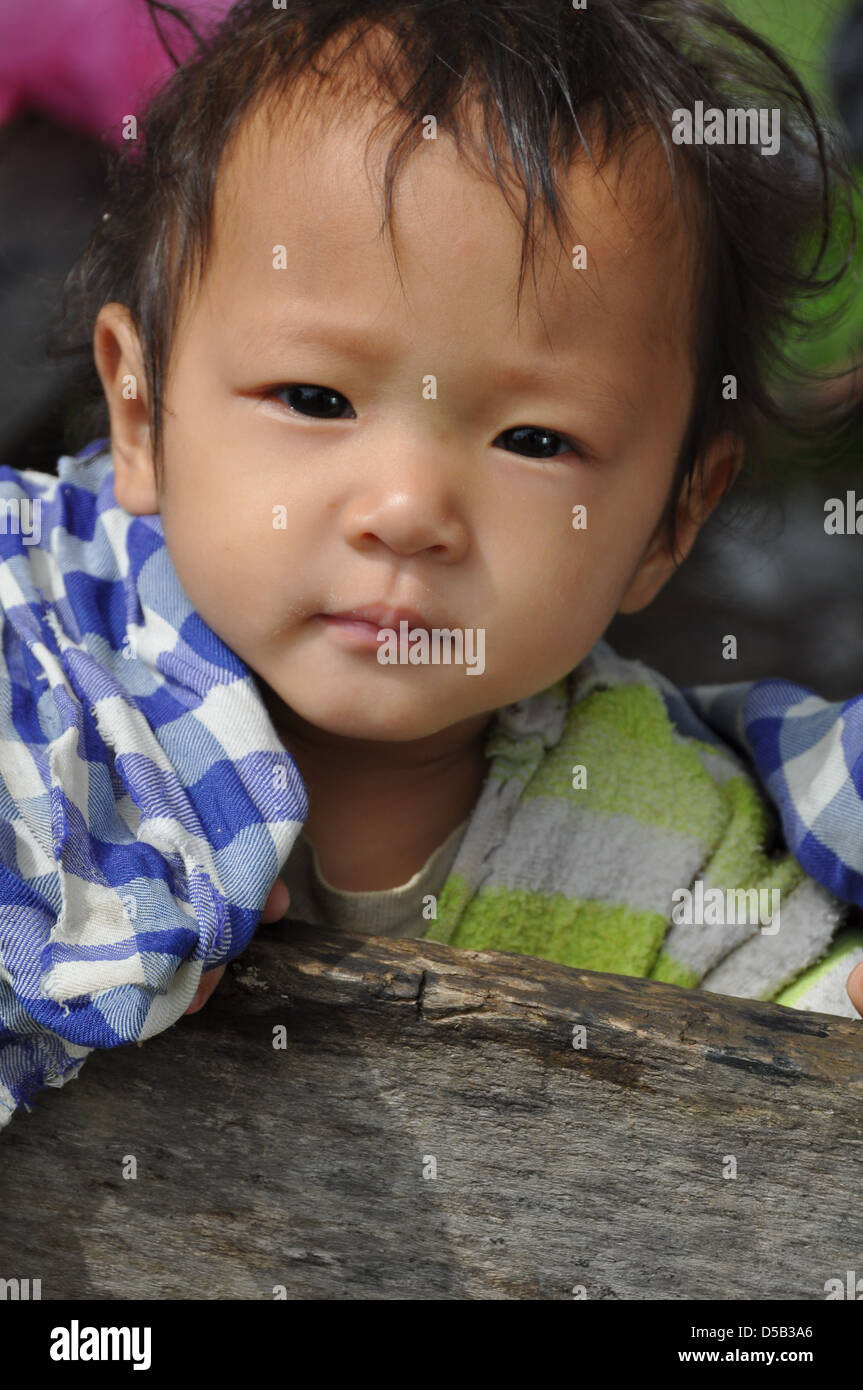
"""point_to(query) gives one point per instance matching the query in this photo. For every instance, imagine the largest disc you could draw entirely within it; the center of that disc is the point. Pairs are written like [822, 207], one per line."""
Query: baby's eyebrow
[566, 379]
[341, 337]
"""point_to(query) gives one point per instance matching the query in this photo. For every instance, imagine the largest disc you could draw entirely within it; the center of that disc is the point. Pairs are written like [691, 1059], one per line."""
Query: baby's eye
[536, 442]
[319, 401]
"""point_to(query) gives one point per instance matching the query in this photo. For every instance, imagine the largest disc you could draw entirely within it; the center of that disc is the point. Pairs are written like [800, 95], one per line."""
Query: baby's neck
[378, 810]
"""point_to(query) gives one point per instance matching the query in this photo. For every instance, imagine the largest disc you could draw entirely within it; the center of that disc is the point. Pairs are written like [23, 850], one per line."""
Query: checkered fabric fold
[146, 803]
[808, 754]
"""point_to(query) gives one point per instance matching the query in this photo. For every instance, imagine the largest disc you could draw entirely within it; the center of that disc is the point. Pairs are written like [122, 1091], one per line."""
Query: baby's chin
[363, 711]
[369, 722]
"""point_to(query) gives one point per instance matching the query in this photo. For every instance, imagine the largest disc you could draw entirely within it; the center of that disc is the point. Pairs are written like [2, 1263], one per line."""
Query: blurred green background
[802, 30]
[763, 569]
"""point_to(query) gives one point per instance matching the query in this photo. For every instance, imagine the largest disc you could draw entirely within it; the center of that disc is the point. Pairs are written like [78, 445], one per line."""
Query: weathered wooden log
[437, 1126]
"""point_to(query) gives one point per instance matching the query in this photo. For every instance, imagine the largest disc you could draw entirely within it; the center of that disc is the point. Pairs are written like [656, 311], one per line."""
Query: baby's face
[437, 461]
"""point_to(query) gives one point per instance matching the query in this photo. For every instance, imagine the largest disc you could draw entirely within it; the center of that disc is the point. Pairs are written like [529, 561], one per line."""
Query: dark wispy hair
[542, 75]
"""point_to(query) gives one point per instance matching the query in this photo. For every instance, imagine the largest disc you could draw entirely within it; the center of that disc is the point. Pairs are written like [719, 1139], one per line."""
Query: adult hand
[275, 907]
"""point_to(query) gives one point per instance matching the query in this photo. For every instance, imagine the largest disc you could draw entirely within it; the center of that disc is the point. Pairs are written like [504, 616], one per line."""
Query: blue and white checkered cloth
[808, 755]
[147, 804]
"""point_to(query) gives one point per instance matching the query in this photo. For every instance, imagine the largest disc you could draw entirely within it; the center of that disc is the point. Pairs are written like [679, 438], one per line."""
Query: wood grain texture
[557, 1167]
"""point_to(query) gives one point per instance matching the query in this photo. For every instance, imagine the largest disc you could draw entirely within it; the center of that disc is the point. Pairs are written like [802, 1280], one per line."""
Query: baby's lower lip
[359, 623]
[355, 630]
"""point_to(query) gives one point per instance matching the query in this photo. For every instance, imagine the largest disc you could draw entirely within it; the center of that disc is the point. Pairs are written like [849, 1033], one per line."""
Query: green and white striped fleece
[586, 876]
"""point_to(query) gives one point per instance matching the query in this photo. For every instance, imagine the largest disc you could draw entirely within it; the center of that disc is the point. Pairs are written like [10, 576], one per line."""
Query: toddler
[429, 336]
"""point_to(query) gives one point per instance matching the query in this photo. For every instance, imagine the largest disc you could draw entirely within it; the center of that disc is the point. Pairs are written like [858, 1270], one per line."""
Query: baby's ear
[120, 364]
[706, 486]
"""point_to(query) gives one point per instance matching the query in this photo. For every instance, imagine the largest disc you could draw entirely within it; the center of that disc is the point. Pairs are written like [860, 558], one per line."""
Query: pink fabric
[89, 63]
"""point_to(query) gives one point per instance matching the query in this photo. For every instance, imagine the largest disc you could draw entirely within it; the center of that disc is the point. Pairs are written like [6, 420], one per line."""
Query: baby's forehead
[300, 172]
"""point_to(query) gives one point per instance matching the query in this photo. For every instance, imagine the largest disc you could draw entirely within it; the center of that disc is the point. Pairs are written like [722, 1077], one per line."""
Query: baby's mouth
[379, 616]
[358, 632]
[364, 628]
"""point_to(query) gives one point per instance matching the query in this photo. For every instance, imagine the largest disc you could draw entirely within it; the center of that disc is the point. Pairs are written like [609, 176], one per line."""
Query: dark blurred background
[763, 570]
